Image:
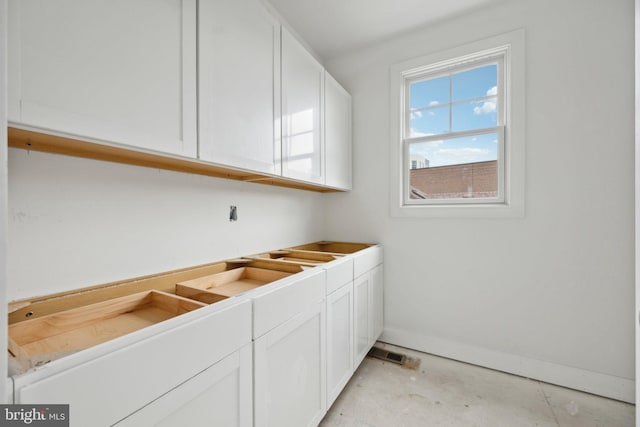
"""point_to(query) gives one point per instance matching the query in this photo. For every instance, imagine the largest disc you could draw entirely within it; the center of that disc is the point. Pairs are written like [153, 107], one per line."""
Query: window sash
[495, 56]
[406, 172]
[449, 68]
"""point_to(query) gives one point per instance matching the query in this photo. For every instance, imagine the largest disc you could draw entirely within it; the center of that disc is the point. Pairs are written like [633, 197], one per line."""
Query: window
[457, 141]
[454, 120]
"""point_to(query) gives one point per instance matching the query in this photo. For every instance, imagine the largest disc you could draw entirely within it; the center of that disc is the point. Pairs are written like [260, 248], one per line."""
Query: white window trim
[514, 134]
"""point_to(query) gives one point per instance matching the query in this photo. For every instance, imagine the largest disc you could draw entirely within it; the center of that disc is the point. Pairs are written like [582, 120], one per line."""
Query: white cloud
[427, 150]
[423, 147]
[416, 114]
[474, 139]
[458, 156]
[432, 144]
[415, 133]
[463, 152]
[432, 103]
[487, 107]
[431, 113]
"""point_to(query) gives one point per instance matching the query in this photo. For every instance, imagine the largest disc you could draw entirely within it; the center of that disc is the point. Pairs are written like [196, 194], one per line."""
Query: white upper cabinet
[337, 134]
[216, 80]
[119, 71]
[302, 87]
[239, 85]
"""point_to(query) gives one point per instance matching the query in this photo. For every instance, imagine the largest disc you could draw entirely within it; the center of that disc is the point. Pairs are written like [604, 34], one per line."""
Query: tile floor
[443, 392]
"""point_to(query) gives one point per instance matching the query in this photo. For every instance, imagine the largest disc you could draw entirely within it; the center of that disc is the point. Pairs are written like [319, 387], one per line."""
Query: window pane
[475, 83]
[454, 168]
[433, 121]
[475, 115]
[429, 93]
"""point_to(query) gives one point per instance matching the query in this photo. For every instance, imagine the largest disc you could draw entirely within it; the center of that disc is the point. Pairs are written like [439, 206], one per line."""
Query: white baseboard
[566, 376]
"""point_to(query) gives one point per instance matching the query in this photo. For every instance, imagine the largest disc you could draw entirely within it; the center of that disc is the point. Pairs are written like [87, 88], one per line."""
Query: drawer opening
[333, 247]
[46, 338]
[298, 257]
[216, 287]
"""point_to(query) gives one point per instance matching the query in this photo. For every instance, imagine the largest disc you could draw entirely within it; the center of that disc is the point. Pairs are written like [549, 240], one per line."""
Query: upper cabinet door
[302, 86]
[239, 85]
[337, 134]
[121, 71]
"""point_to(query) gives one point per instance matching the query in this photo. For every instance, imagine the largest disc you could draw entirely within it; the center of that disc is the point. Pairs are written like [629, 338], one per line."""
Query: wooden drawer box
[365, 256]
[298, 257]
[292, 288]
[216, 287]
[56, 335]
[339, 248]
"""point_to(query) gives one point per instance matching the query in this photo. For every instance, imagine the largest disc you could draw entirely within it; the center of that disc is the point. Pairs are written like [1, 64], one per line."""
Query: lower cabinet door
[218, 396]
[376, 304]
[361, 301]
[339, 340]
[289, 372]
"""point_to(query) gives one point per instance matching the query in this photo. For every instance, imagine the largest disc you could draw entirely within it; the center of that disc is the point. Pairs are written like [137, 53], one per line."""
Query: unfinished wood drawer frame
[337, 248]
[339, 267]
[56, 335]
[365, 256]
[307, 258]
[216, 287]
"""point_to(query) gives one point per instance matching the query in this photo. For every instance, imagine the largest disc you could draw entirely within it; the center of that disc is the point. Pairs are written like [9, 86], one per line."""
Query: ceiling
[334, 27]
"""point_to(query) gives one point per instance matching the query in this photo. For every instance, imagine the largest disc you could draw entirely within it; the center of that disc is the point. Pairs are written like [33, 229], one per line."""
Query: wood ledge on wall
[49, 143]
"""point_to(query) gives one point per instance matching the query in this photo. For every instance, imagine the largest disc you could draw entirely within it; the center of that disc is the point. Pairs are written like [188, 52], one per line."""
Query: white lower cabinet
[376, 302]
[277, 356]
[368, 307]
[339, 340]
[219, 396]
[107, 383]
[289, 359]
[361, 289]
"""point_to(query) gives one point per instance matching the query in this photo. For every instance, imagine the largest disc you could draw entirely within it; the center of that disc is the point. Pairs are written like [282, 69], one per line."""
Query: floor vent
[387, 356]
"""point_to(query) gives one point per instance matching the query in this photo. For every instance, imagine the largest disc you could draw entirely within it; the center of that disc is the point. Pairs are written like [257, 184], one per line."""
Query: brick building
[456, 181]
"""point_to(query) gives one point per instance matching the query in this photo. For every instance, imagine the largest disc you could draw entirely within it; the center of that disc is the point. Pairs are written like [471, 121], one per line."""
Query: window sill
[495, 210]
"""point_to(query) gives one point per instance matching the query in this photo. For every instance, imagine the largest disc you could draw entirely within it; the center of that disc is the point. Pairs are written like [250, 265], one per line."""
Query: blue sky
[432, 101]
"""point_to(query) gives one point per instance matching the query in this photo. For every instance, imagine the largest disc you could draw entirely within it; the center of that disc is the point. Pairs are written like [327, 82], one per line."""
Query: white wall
[637, 204]
[3, 191]
[76, 222]
[549, 295]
